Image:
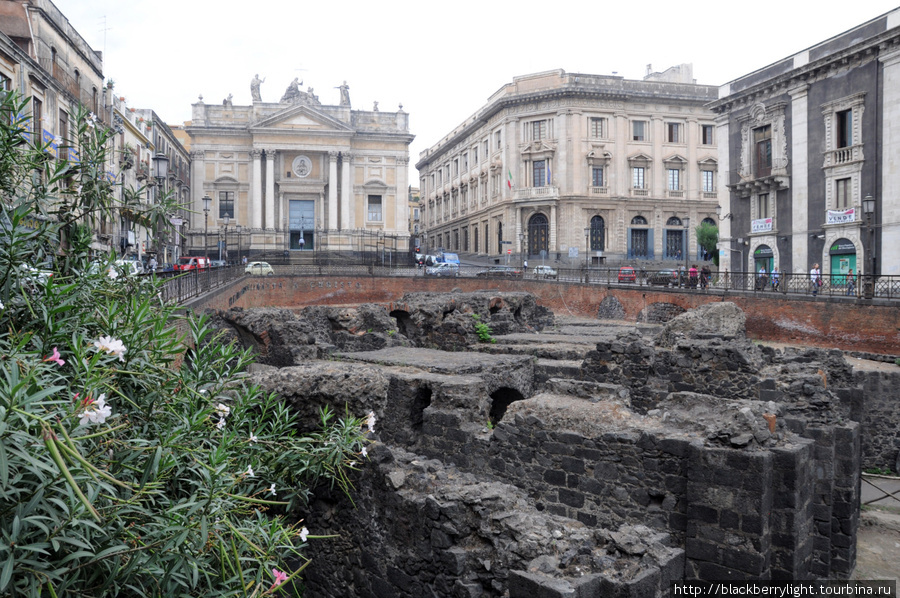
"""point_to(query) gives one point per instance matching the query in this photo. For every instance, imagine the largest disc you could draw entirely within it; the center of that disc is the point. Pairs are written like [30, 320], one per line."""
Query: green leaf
[6, 575]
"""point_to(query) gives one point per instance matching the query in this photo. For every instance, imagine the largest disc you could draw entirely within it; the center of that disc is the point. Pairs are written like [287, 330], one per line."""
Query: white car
[259, 269]
[544, 272]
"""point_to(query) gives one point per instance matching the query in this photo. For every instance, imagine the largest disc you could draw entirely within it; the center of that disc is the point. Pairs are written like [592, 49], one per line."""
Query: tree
[708, 239]
[135, 460]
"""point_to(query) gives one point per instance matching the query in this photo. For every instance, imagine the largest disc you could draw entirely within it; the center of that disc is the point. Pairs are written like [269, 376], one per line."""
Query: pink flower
[280, 578]
[54, 357]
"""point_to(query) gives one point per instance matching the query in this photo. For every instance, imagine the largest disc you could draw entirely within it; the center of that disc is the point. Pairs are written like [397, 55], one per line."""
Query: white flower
[370, 421]
[272, 489]
[91, 120]
[112, 273]
[253, 437]
[221, 424]
[1, 305]
[95, 412]
[222, 410]
[112, 346]
[249, 473]
[352, 464]
[303, 533]
[365, 453]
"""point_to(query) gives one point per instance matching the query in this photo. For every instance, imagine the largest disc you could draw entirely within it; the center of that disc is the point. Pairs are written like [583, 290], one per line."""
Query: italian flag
[509, 182]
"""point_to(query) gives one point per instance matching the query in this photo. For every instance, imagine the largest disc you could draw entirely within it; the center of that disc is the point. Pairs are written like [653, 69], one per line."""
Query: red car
[627, 274]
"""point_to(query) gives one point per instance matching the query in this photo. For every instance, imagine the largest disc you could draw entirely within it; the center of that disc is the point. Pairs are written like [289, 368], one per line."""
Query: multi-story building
[42, 57]
[415, 217]
[804, 143]
[300, 175]
[560, 164]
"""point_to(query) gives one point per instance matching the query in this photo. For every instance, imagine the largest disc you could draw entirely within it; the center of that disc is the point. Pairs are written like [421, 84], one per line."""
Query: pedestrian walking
[815, 279]
[775, 278]
[851, 284]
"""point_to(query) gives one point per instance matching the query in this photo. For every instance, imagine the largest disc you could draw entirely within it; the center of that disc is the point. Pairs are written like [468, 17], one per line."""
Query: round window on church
[302, 166]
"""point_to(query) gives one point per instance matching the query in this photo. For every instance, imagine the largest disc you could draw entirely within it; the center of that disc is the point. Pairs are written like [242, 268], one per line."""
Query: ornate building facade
[299, 175]
[804, 143]
[563, 165]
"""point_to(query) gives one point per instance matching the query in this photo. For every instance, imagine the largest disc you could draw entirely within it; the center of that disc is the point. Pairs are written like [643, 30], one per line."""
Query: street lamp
[206, 201]
[225, 243]
[869, 282]
[161, 170]
[687, 245]
[238, 228]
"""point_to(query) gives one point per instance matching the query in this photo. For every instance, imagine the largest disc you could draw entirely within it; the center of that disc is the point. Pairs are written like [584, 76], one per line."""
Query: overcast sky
[441, 60]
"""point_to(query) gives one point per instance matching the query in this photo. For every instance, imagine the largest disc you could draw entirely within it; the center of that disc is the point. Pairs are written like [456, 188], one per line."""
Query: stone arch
[659, 313]
[611, 309]
[405, 324]
[501, 399]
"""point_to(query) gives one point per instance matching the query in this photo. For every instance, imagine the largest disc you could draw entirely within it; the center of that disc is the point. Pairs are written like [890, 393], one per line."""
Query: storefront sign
[840, 216]
[761, 225]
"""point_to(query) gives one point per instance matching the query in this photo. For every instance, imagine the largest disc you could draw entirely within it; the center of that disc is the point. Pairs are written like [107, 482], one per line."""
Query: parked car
[664, 278]
[259, 269]
[443, 269]
[128, 267]
[187, 262]
[218, 264]
[627, 274]
[499, 271]
[544, 272]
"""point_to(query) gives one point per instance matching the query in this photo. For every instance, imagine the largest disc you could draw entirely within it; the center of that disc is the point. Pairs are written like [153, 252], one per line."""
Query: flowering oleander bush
[134, 460]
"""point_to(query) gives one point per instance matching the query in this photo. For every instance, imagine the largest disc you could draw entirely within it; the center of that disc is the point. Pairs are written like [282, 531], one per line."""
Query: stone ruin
[569, 458]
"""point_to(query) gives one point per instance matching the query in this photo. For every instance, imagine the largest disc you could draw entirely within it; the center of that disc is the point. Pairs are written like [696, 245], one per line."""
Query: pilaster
[270, 190]
[347, 219]
[332, 191]
[256, 184]
[799, 191]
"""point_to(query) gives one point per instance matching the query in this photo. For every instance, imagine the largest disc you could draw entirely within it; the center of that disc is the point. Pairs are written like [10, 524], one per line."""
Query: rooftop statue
[254, 87]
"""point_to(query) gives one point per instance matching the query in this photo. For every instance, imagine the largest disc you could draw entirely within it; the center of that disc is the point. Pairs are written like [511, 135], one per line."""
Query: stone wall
[874, 403]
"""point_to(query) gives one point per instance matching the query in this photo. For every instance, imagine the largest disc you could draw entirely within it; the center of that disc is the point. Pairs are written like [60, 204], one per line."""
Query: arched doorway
[674, 245]
[640, 239]
[843, 257]
[538, 234]
[763, 260]
[598, 233]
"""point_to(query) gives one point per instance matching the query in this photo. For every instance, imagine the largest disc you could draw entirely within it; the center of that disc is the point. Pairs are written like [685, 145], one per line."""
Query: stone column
[722, 175]
[799, 190]
[401, 218]
[552, 246]
[347, 219]
[198, 167]
[887, 209]
[332, 191]
[518, 239]
[255, 214]
[270, 190]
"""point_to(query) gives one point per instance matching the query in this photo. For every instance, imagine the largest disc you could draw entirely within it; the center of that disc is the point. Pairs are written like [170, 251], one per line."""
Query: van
[443, 269]
[191, 263]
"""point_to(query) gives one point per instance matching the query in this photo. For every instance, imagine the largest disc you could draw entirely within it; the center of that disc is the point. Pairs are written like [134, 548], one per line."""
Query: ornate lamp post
[206, 201]
[869, 282]
[238, 229]
[224, 255]
[160, 171]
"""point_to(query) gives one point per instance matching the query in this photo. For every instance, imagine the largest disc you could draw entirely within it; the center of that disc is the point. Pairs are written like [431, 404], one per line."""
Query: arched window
[708, 221]
[673, 221]
[639, 221]
[538, 234]
[598, 233]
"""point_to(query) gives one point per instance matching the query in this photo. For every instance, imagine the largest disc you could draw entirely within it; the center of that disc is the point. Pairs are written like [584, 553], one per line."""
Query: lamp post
[160, 171]
[238, 228]
[206, 201]
[869, 282]
[687, 245]
[225, 242]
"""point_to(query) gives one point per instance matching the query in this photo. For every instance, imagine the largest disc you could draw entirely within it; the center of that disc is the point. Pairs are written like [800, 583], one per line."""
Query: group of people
[763, 279]
[696, 277]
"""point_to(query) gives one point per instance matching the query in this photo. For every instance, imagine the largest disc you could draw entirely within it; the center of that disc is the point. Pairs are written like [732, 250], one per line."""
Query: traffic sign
[509, 251]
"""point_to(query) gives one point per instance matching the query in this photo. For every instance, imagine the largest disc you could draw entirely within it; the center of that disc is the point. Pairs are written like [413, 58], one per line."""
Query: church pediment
[301, 118]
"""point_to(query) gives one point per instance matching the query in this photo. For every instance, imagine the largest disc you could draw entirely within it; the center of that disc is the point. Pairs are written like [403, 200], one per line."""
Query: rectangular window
[415, 213]
[674, 179]
[845, 128]
[465, 162]
[673, 132]
[597, 176]
[639, 130]
[374, 210]
[63, 134]
[762, 140]
[637, 177]
[226, 204]
[440, 177]
[842, 193]
[499, 138]
[455, 168]
[707, 135]
[539, 173]
[597, 128]
[539, 130]
[475, 155]
[762, 205]
[37, 116]
[486, 150]
[708, 180]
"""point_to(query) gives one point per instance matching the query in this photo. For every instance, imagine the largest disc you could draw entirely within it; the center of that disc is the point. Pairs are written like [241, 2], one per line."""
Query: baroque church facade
[576, 168]
[297, 175]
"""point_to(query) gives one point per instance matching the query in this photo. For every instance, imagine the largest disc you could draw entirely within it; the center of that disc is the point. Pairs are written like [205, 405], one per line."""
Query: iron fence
[181, 286]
